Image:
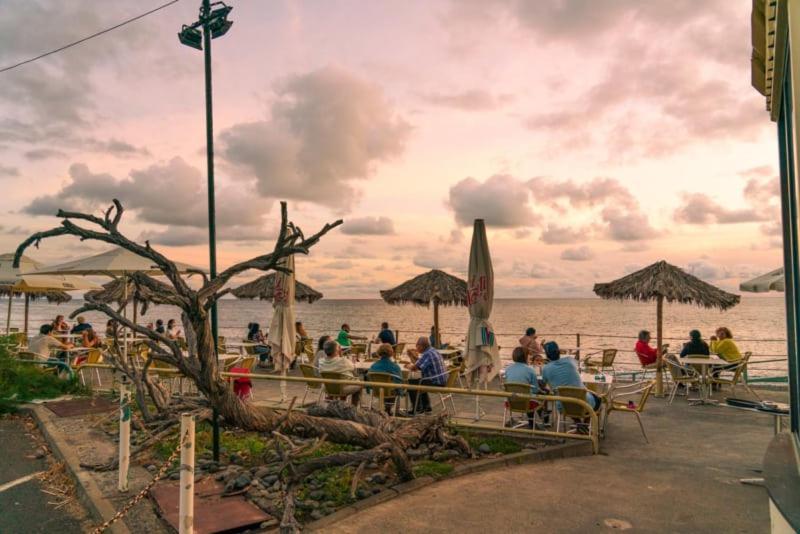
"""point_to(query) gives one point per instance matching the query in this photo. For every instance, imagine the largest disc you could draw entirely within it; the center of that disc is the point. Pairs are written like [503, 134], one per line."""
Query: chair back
[676, 370]
[19, 338]
[358, 349]
[518, 404]
[388, 392]
[570, 409]
[399, 349]
[645, 395]
[452, 376]
[27, 355]
[335, 390]
[94, 356]
[608, 357]
[737, 374]
[309, 372]
[246, 363]
[222, 349]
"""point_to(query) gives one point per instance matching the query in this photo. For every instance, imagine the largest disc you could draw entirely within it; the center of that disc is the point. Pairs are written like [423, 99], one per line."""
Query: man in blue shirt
[81, 326]
[564, 372]
[386, 335]
[520, 372]
[429, 362]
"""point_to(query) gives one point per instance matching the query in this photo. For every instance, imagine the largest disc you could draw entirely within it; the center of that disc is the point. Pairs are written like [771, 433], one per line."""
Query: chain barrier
[139, 496]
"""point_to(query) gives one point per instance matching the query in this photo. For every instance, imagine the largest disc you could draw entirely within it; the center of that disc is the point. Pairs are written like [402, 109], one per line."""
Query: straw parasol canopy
[263, 288]
[434, 286]
[136, 291]
[662, 281]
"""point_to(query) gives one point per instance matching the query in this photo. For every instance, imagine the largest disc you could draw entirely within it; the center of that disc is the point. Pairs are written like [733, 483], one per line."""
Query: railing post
[186, 504]
[397, 336]
[578, 345]
[124, 434]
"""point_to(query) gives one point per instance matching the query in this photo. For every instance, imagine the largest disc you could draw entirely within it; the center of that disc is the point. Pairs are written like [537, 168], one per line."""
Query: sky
[594, 137]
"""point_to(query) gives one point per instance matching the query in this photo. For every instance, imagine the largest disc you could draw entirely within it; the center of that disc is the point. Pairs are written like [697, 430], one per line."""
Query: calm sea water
[758, 324]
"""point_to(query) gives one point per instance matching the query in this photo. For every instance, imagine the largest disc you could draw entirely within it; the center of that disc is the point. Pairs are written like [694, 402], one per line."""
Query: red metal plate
[213, 513]
[82, 406]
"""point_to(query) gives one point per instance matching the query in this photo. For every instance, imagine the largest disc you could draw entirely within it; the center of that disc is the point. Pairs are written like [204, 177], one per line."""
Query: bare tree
[199, 363]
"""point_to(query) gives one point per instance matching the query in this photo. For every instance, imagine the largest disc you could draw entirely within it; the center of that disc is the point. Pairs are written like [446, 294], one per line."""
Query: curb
[565, 450]
[89, 494]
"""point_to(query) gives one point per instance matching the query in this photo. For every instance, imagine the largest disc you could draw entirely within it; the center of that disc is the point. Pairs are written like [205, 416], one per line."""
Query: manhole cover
[83, 406]
[212, 512]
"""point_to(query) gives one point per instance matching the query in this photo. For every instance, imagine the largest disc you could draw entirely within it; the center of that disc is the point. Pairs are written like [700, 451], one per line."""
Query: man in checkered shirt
[429, 362]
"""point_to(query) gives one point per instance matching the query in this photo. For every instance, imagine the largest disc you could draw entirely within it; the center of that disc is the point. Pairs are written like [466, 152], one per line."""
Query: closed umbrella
[20, 281]
[483, 355]
[772, 281]
[281, 329]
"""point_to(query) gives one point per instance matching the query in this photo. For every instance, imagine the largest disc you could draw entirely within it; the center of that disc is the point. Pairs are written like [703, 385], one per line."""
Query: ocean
[758, 323]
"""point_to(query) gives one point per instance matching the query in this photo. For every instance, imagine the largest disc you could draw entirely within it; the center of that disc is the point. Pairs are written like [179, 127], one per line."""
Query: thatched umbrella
[136, 291]
[662, 281]
[434, 286]
[263, 288]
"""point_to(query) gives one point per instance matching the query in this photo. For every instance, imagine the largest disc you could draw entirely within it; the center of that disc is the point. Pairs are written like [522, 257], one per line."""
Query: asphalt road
[24, 508]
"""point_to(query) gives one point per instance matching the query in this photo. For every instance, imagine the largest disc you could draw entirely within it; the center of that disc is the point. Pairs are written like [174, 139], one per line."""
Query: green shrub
[432, 469]
[501, 444]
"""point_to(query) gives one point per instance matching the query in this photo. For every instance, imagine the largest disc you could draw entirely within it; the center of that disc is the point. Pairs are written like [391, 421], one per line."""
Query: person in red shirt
[647, 354]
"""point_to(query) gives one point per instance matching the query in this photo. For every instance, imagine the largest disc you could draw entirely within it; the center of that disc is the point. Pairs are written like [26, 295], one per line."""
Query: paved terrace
[686, 480]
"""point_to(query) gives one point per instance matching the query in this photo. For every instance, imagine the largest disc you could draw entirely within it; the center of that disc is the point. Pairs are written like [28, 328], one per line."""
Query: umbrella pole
[27, 306]
[659, 342]
[436, 338]
[8, 315]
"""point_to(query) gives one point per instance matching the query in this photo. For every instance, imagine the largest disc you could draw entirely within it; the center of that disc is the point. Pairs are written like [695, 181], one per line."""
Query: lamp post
[214, 23]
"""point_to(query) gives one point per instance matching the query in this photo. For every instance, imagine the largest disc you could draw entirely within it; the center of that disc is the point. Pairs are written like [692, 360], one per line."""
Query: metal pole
[27, 310]
[186, 504]
[8, 315]
[124, 434]
[659, 342]
[212, 227]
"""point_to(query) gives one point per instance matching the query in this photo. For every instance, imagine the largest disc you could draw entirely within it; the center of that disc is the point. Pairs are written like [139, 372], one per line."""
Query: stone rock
[276, 486]
[419, 452]
[317, 495]
[372, 465]
[242, 481]
[444, 455]
[40, 453]
[362, 493]
[230, 486]
[219, 477]
[262, 503]
[329, 504]
[260, 472]
[376, 490]
[377, 478]
[255, 483]
[212, 467]
[312, 505]
[317, 514]
[484, 448]
[152, 468]
[269, 479]
[175, 476]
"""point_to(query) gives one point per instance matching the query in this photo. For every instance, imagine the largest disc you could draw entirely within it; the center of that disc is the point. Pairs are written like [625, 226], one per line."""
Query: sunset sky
[594, 137]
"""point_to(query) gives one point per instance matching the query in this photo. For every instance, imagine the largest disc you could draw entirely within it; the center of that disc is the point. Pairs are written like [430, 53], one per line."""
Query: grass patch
[22, 381]
[249, 445]
[335, 482]
[429, 468]
[501, 444]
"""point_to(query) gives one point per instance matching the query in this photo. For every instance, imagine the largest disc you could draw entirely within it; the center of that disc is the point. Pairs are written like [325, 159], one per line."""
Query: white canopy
[24, 279]
[772, 281]
[117, 261]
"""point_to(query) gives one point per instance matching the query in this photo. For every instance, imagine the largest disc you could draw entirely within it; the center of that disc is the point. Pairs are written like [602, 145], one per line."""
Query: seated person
[173, 332]
[320, 354]
[42, 343]
[81, 326]
[111, 328]
[723, 346]
[160, 327]
[59, 325]
[345, 338]
[262, 350]
[429, 362]
[387, 365]
[386, 335]
[300, 331]
[89, 340]
[648, 356]
[433, 342]
[333, 362]
[695, 345]
[520, 372]
[532, 345]
[564, 372]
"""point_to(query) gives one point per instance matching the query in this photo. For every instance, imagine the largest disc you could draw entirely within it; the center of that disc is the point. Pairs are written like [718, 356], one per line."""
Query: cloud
[167, 193]
[8, 171]
[627, 225]
[328, 128]
[456, 236]
[562, 235]
[502, 201]
[440, 258]
[321, 276]
[595, 192]
[537, 270]
[706, 270]
[341, 265]
[470, 100]
[39, 154]
[582, 253]
[699, 208]
[368, 226]
[182, 236]
[115, 147]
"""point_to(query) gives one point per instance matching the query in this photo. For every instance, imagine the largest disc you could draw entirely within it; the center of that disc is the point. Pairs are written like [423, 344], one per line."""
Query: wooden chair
[606, 361]
[452, 382]
[736, 378]
[680, 374]
[636, 407]
[357, 351]
[518, 404]
[569, 409]
[310, 372]
[19, 338]
[335, 391]
[221, 348]
[94, 356]
[386, 395]
[399, 349]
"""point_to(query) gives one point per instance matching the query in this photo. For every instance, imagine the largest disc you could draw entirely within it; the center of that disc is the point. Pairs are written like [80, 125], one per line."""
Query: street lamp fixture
[214, 23]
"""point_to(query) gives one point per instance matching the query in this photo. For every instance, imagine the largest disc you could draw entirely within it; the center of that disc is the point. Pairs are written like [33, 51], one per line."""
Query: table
[598, 383]
[363, 368]
[240, 345]
[450, 353]
[705, 382]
